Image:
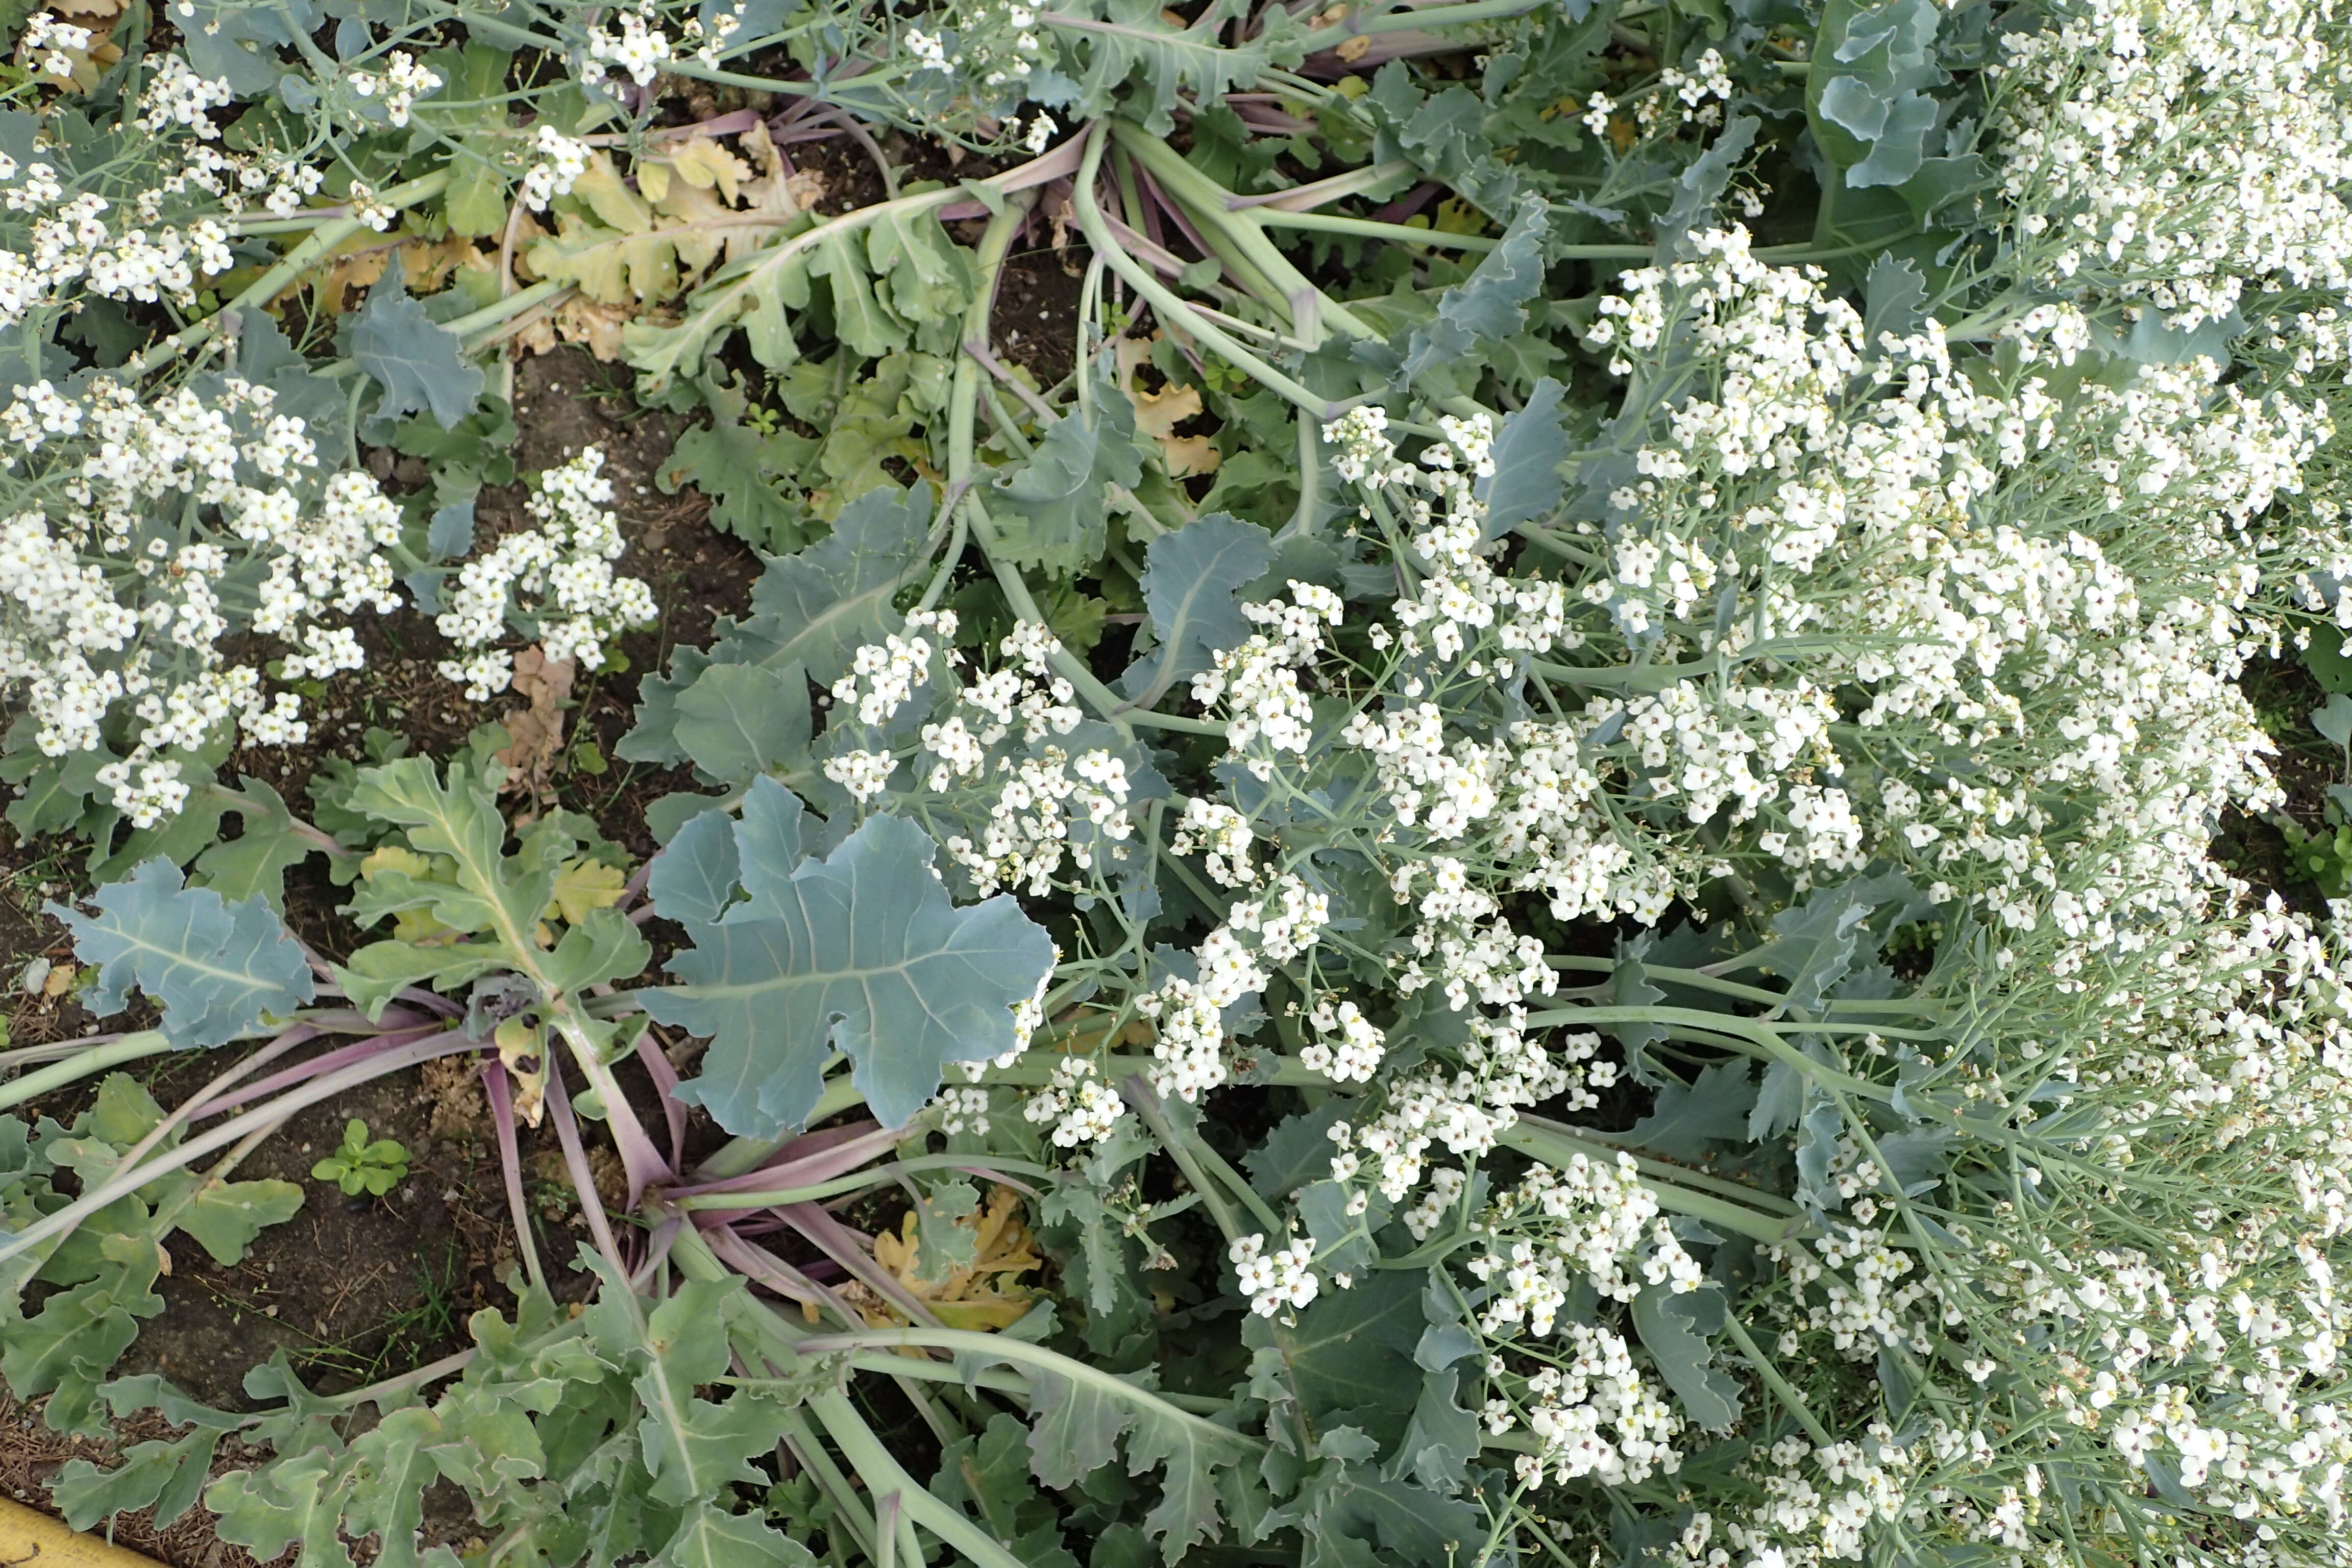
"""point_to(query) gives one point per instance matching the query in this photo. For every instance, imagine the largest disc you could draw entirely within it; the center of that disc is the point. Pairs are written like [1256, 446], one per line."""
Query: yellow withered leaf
[584, 886]
[705, 164]
[982, 1295]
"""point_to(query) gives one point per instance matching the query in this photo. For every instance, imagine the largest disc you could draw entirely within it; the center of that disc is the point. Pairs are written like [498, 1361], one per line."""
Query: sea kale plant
[1530, 876]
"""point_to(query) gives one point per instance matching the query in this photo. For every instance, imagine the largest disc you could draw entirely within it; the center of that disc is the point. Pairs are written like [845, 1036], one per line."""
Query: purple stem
[759, 1264]
[840, 1243]
[501, 1094]
[1412, 202]
[665, 1078]
[1151, 229]
[639, 1158]
[1176, 215]
[837, 1158]
[1151, 253]
[576, 1161]
[340, 1057]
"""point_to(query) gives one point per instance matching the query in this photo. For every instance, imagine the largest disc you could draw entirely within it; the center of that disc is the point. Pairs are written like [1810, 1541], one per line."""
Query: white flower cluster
[176, 95]
[639, 47]
[558, 576]
[404, 82]
[2183, 1331]
[1505, 1071]
[1587, 1222]
[561, 162]
[996, 46]
[107, 598]
[1275, 1280]
[1082, 1108]
[1257, 683]
[76, 243]
[1347, 1046]
[1593, 1416]
[1679, 98]
[2179, 151]
[882, 676]
[1220, 836]
[1188, 1048]
[1797, 539]
[55, 42]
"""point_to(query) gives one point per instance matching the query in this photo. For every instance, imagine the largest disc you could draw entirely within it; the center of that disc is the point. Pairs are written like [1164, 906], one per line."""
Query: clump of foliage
[1525, 879]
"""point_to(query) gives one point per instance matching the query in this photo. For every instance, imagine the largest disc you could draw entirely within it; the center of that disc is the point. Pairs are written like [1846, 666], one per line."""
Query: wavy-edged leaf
[737, 467]
[1485, 308]
[816, 608]
[1126, 39]
[739, 720]
[710, 1537]
[225, 1218]
[167, 1476]
[1191, 578]
[1675, 1327]
[861, 951]
[420, 363]
[215, 968]
[294, 1499]
[1050, 512]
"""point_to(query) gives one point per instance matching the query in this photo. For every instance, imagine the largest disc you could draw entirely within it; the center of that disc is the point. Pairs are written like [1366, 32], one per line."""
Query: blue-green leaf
[1529, 451]
[710, 1537]
[1675, 1326]
[1049, 512]
[861, 951]
[740, 720]
[1489, 305]
[216, 969]
[814, 609]
[168, 1474]
[420, 363]
[1191, 578]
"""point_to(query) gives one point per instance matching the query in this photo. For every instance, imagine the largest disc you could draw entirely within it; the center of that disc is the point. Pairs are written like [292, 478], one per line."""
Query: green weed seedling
[361, 1166]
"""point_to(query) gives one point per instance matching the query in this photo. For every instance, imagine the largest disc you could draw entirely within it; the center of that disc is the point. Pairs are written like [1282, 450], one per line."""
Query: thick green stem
[1035, 1358]
[1366, 228]
[873, 1176]
[82, 1064]
[1414, 21]
[1782, 1389]
[267, 286]
[1554, 1148]
[884, 1478]
[1173, 307]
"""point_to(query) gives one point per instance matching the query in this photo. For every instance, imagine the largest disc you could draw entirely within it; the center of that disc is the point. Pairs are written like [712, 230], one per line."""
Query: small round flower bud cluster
[1082, 1108]
[557, 579]
[1277, 1280]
